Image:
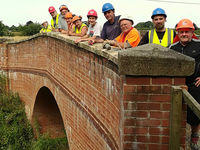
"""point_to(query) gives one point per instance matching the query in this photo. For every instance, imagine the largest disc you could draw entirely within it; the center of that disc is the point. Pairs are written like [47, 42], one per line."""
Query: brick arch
[46, 112]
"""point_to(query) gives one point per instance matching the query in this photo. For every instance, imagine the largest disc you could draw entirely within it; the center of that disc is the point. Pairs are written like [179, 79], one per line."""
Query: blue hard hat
[158, 11]
[107, 7]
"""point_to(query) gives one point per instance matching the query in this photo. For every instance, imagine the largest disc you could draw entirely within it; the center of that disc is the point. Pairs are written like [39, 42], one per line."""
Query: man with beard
[190, 47]
[55, 18]
[62, 24]
[111, 28]
[160, 35]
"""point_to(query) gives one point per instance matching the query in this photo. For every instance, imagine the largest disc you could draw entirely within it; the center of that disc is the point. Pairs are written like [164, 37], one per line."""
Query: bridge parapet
[110, 99]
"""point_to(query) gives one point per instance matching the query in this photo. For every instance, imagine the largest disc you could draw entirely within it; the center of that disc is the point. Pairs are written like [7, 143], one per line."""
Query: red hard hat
[51, 9]
[92, 12]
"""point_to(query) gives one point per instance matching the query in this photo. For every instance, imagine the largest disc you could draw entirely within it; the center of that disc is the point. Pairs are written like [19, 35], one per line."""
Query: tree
[31, 29]
[2, 28]
[144, 25]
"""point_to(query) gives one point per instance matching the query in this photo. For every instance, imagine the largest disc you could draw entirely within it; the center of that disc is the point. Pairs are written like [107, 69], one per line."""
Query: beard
[159, 26]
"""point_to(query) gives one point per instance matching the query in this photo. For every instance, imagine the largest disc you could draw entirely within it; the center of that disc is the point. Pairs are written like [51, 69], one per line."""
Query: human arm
[145, 39]
[197, 83]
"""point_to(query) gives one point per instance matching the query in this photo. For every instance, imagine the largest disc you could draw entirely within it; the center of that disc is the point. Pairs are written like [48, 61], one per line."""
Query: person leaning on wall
[94, 29]
[79, 28]
[159, 35]
[129, 37]
[190, 47]
[55, 18]
[45, 27]
[111, 28]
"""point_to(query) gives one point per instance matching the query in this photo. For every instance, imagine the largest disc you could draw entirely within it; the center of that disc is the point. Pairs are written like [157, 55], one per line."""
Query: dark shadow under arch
[46, 115]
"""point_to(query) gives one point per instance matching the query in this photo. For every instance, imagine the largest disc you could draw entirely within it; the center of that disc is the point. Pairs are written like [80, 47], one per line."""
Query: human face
[109, 15]
[78, 23]
[53, 14]
[159, 22]
[92, 20]
[64, 11]
[68, 20]
[125, 25]
[185, 35]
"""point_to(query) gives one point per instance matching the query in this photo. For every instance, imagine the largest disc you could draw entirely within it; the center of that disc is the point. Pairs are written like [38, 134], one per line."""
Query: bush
[31, 29]
[16, 132]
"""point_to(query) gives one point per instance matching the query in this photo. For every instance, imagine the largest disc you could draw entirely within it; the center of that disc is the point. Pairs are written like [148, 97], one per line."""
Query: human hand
[197, 83]
[91, 41]
[77, 41]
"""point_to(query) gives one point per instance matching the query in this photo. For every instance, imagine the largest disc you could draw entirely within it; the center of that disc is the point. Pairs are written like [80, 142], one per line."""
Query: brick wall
[86, 88]
[107, 101]
[147, 103]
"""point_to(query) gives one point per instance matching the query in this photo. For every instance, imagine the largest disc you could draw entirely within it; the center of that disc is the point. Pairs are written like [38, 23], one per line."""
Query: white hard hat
[126, 17]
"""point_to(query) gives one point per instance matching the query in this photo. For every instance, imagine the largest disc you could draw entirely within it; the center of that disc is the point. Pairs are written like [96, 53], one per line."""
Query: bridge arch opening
[46, 117]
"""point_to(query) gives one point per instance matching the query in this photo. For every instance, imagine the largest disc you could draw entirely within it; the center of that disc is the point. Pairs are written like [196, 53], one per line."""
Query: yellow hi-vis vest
[166, 40]
[55, 25]
[48, 29]
[76, 30]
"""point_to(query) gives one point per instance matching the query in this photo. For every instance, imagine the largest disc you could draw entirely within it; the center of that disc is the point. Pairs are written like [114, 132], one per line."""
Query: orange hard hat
[75, 18]
[63, 7]
[68, 15]
[185, 23]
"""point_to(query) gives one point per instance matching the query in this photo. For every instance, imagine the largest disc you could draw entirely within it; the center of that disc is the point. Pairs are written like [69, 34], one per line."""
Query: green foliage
[46, 143]
[16, 132]
[31, 29]
[144, 25]
[197, 31]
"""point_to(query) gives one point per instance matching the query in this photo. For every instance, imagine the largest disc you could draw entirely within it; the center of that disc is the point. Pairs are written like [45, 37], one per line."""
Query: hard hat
[107, 7]
[126, 17]
[51, 9]
[63, 7]
[68, 15]
[158, 11]
[44, 22]
[75, 18]
[92, 12]
[185, 23]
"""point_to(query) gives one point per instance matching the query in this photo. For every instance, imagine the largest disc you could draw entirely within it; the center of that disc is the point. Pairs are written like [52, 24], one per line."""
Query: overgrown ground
[16, 132]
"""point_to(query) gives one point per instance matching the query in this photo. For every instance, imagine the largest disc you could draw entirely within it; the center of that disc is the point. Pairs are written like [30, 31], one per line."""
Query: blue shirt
[111, 31]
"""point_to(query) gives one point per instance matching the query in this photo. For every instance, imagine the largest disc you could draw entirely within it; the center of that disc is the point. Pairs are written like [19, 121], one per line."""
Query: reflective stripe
[76, 30]
[166, 40]
[52, 22]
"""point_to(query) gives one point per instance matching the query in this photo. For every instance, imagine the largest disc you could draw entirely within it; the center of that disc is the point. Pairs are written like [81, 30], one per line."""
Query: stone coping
[145, 60]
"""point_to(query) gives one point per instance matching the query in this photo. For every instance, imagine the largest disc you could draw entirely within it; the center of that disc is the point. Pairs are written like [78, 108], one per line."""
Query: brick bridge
[101, 100]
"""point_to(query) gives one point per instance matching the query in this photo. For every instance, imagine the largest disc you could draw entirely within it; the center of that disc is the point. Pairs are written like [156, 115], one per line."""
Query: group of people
[118, 31]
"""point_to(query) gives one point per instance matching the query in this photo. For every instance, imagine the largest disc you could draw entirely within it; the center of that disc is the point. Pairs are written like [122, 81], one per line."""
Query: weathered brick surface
[86, 87]
[151, 100]
[100, 108]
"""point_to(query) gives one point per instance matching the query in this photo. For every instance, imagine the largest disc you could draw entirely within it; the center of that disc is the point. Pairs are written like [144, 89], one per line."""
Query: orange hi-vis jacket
[132, 37]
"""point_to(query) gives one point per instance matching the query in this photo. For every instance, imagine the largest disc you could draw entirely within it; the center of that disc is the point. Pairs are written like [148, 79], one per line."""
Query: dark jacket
[192, 49]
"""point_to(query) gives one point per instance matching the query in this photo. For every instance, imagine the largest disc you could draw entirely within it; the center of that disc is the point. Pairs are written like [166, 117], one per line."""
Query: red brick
[154, 139]
[161, 80]
[129, 122]
[129, 89]
[179, 81]
[141, 130]
[134, 113]
[148, 106]
[149, 89]
[134, 97]
[143, 139]
[160, 98]
[129, 138]
[166, 89]
[138, 80]
[148, 123]
[166, 107]
[165, 139]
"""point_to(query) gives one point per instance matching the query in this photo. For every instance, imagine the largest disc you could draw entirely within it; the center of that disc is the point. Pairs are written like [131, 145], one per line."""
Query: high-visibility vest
[166, 40]
[55, 25]
[76, 30]
[48, 29]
